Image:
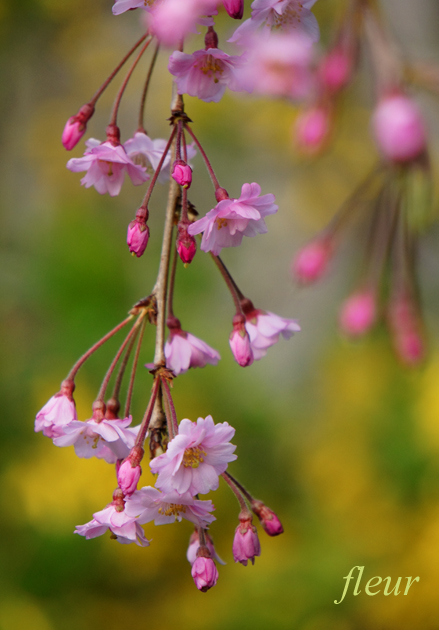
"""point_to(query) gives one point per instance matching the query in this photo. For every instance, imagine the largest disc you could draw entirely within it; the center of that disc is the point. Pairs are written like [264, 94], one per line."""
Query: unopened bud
[268, 518]
[311, 261]
[336, 70]
[240, 342]
[246, 545]
[186, 244]
[138, 233]
[235, 8]
[76, 127]
[406, 329]
[358, 313]
[311, 129]
[182, 173]
[204, 572]
[128, 477]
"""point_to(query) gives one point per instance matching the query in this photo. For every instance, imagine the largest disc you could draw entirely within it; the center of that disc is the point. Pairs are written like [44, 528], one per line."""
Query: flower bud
[240, 342]
[76, 127]
[128, 477]
[235, 8]
[138, 233]
[246, 544]
[358, 313]
[182, 173]
[336, 70]
[311, 261]
[311, 129]
[268, 518]
[406, 329]
[205, 573]
[399, 129]
[186, 244]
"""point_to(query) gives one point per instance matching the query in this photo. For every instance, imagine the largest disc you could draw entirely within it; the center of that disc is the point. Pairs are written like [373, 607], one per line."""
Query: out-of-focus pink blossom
[206, 73]
[186, 244]
[147, 153]
[358, 313]
[406, 329]
[182, 173]
[106, 165]
[76, 127]
[128, 477]
[283, 62]
[205, 573]
[124, 528]
[240, 345]
[195, 457]
[269, 520]
[184, 351]
[246, 544]
[231, 219]
[109, 439]
[58, 412]
[279, 15]
[172, 20]
[120, 6]
[399, 128]
[138, 233]
[336, 70]
[312, 129]
[264, 329]
[235, 8]
[148, 504]
[194, 545]
[311, 261]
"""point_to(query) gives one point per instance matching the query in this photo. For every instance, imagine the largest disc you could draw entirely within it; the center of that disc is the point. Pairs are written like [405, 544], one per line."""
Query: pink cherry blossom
[125, 528]
[240, 345]
[57, 413]
[109, 439]
[206, 73]
[246, 545]
[195, 457]
[148, 504]
[120, 6]
[399, 128]
[279, 15]
[264, 329]
[231, 219]
[184, 351]
[205, 573]
[147, 153]
[358, 313]
[106, 165]
[172, 20]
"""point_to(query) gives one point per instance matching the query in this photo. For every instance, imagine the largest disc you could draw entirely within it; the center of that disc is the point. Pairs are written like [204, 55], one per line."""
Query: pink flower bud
[182, 173]
[312, 129]
[405, 325]
[358, 313]
[336, 70]
[311, 261]
[186, 244]
[235, 8]
[240, 342]
[268, 518]
[128, 477]
[246, 544]
[205, 573]
[76, 127]
[138, 233]
[399, 129]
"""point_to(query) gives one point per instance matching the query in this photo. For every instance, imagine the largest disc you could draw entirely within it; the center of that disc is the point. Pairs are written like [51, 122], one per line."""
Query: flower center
[221, 223]
[172, 509]
[289, 16]
[211, 67]
[193, 457]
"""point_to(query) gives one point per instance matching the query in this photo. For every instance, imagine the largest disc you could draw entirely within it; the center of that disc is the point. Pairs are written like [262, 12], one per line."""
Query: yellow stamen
[193, 457]
[173, 509]
[221, 223]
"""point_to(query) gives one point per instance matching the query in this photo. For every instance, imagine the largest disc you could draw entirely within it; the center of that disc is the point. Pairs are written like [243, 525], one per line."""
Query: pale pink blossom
[240, 345]
[246, 545]
[279, 15]
[399, 128]
[147, 153]
[57, 413]
[109, 439]
[264, 329]
[120, 6]
[172, 20]
[195, 457]
[125, 528]
[358, 313]
[206, 73]
[231, 219]
[149, 504]
[205, 573]
[311, 261]
[184, 351]
[106, 165]
[194, 545]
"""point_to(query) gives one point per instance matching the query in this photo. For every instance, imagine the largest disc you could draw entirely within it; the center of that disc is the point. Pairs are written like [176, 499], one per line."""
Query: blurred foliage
[337, 438]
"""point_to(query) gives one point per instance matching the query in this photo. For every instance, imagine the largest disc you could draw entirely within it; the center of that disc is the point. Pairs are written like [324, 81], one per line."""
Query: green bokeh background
[337, 438]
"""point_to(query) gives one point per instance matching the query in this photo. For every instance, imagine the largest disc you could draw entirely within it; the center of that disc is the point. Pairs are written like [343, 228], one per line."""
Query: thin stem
[171, 284]
[237, 493]
[158, 169]
[116, 70]
[205, 158]
[141, 127]
[125, 83]
[123, 365]
[148, 413]
[245, 492]
[80, 362]
[172, 419]
[237, 295]
[133, 370]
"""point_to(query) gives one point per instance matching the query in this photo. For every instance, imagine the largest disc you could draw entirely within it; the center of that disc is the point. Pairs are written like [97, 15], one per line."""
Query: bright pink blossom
[57, 413]
[195, 457]
[231, 219]
[240, 345]
[235, 8]
[205, 573]
[106, 165]
[358, 313]
[206, 73]
[311, 261]
[246, 545]
[182, 173]
[125, 528]
[148, 504]
[184, 351]
[264, 329]
[399, 128]
[109, 439]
